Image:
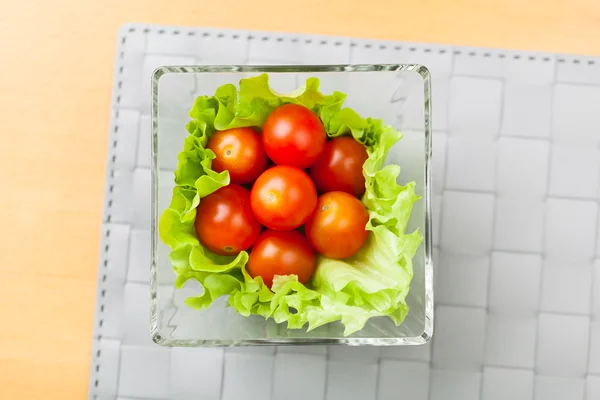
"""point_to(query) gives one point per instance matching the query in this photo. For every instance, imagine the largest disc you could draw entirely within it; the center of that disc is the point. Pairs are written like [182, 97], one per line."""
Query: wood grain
[54, 100]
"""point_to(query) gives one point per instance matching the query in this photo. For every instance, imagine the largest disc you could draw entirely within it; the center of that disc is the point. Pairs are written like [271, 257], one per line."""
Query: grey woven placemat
[516, 219]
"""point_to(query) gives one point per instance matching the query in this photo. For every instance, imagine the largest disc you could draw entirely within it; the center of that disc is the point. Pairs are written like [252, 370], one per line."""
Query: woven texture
[516, 172]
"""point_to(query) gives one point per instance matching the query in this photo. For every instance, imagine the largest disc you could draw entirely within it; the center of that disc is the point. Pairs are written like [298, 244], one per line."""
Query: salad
[284, 204]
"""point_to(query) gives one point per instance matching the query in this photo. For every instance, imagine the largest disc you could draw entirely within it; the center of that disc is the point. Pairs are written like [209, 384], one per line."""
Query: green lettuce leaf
[374, 282]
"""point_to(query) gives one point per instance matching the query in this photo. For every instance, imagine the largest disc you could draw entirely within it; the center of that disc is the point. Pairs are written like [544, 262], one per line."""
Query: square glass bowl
[398, 94]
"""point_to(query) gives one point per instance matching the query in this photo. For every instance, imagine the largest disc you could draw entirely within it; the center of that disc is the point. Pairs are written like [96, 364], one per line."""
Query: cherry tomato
[281, 253]
[293, 135]
[336, 229]
[283, 198]
[239, 151]
[340, 167]
[224, 221]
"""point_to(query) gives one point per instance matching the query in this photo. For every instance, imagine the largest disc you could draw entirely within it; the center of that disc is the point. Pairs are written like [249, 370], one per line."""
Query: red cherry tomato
[224, 221]
[283, 198]
[239, 151]
[293, 135]
[337, 227]
[281, 253]
[340, 167]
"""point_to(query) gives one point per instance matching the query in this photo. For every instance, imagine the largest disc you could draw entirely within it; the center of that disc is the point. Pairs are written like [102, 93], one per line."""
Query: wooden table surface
[57, 63]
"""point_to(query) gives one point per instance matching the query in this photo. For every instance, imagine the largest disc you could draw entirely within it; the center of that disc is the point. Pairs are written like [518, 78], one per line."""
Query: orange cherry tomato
[336, 229]
[239, 151]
